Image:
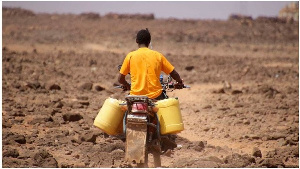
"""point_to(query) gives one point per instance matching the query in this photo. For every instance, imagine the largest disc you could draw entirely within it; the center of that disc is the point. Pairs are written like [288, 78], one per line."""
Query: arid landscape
[242, 109]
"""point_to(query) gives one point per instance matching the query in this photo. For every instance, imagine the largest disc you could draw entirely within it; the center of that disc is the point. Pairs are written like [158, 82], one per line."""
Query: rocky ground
[242, 109]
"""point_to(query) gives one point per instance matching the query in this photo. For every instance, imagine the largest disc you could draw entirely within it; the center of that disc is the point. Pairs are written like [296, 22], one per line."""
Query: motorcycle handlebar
[171, 86]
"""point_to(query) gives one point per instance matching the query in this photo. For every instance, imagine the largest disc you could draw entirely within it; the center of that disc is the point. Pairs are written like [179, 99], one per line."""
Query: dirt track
[58, 69]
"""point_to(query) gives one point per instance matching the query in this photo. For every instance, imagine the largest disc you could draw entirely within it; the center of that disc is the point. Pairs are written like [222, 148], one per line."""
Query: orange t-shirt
[145, 66]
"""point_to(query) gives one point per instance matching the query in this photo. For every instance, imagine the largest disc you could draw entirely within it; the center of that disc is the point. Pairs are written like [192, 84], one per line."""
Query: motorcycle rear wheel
[156, 158]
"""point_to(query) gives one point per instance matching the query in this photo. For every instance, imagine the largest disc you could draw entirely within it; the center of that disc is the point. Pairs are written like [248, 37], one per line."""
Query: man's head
[143, 37]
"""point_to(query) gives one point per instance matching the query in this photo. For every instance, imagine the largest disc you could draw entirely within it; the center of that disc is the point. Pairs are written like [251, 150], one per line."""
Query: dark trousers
[162, 96]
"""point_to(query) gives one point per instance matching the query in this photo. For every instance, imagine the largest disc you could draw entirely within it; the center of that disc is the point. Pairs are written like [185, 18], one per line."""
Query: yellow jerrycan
[169, 116]
[110, 117]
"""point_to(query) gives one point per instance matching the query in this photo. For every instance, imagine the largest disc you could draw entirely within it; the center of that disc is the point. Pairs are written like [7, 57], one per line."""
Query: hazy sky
[161, 9]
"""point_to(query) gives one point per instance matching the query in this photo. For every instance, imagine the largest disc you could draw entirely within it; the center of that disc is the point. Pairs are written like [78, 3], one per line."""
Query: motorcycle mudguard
[136, 135]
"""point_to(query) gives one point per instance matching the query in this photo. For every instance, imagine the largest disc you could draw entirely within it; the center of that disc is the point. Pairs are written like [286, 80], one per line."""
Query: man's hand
[179, 85]
[125, 84]
[126, 87]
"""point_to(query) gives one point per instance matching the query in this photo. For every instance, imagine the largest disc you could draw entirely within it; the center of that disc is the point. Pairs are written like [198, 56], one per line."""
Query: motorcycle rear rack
[137, 98]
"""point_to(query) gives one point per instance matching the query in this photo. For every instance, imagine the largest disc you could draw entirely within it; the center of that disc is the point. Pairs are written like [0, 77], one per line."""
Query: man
[145, 66]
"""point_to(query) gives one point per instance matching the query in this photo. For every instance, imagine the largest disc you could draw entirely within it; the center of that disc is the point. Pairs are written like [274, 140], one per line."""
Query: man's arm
[179, 81]
[122, 80]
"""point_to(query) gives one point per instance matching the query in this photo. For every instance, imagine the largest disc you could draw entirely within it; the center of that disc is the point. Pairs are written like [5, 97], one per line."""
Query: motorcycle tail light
[139, 106]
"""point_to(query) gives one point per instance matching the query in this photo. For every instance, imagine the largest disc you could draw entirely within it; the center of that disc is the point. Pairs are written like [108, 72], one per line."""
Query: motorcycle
[141, 128]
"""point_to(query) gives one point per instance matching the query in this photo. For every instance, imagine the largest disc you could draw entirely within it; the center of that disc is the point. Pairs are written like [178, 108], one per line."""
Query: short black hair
[143, 37]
